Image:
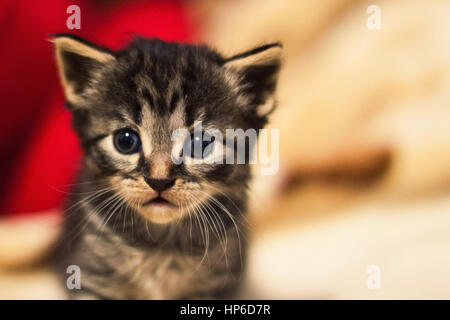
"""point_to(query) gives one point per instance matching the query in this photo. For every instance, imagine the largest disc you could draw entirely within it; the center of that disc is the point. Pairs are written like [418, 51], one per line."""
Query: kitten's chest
[116, 269]
[151, 273]
[165, 275]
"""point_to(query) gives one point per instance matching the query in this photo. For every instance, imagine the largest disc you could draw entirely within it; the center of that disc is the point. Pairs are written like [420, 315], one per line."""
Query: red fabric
[39, 152]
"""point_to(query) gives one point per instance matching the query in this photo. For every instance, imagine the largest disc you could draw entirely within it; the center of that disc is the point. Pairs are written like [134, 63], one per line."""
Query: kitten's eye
[199, 147]
[127, 141]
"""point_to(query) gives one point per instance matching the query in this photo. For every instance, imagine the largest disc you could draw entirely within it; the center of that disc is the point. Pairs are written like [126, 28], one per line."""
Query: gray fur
[154, 87]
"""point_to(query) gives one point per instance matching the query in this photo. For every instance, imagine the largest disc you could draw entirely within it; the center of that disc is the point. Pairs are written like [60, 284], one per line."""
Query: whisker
[203, 232]
[247, 222]
[116, 207]
[238, 231]
[81, 226]
[221, 235]
[93, 195]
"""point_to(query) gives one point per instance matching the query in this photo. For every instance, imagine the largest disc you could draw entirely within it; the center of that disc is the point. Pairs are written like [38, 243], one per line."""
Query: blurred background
[364, 120]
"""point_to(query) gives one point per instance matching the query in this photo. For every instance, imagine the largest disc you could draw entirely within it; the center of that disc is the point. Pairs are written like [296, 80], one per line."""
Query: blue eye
[199, 146]
[127, 141]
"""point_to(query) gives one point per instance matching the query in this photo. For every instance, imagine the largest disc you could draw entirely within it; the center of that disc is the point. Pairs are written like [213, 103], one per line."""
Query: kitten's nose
[160, 184]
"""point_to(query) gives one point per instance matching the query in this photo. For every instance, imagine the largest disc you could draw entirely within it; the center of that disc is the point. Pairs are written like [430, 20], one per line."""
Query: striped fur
[124, 249]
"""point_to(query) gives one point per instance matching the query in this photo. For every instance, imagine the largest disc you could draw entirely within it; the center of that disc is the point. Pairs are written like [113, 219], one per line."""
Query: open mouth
[158, 201]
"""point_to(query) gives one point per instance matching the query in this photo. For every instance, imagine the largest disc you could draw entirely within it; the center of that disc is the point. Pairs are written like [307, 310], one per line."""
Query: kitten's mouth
[159, 210]
[158, 202]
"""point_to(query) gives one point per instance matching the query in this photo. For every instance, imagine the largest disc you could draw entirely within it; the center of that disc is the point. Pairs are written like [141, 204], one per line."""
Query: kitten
[140, 225]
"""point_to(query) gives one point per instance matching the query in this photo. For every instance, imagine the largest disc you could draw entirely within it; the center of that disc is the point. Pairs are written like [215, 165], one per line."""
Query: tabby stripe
[93, 141]
[174, 101]
[137, 113]
[148, 97]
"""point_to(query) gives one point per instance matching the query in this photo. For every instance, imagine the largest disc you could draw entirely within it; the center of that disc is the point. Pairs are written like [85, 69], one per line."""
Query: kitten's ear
[78, 61]
[258, 73]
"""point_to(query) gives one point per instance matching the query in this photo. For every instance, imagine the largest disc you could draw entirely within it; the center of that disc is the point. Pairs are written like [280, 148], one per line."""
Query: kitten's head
[136, 110]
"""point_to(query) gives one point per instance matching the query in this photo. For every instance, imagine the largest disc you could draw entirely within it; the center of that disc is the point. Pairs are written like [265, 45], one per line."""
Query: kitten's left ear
[78, 60]
[258, 73]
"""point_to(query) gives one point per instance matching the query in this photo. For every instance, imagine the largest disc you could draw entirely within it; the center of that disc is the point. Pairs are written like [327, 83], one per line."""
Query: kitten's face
[136, 111]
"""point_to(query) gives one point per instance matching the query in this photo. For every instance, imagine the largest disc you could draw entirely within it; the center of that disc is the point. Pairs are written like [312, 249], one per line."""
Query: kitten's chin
[160, 214]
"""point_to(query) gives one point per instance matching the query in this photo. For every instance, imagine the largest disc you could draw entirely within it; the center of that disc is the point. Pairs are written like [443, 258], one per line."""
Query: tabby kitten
[139, 224]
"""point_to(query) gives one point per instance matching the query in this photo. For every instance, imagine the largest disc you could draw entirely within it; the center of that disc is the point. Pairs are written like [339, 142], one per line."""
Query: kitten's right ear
[78, 61]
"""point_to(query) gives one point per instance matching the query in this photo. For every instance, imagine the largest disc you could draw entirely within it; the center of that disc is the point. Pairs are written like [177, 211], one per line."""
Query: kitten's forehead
[160, 94]
[160, 82]
[156, 128]
[162, 87]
